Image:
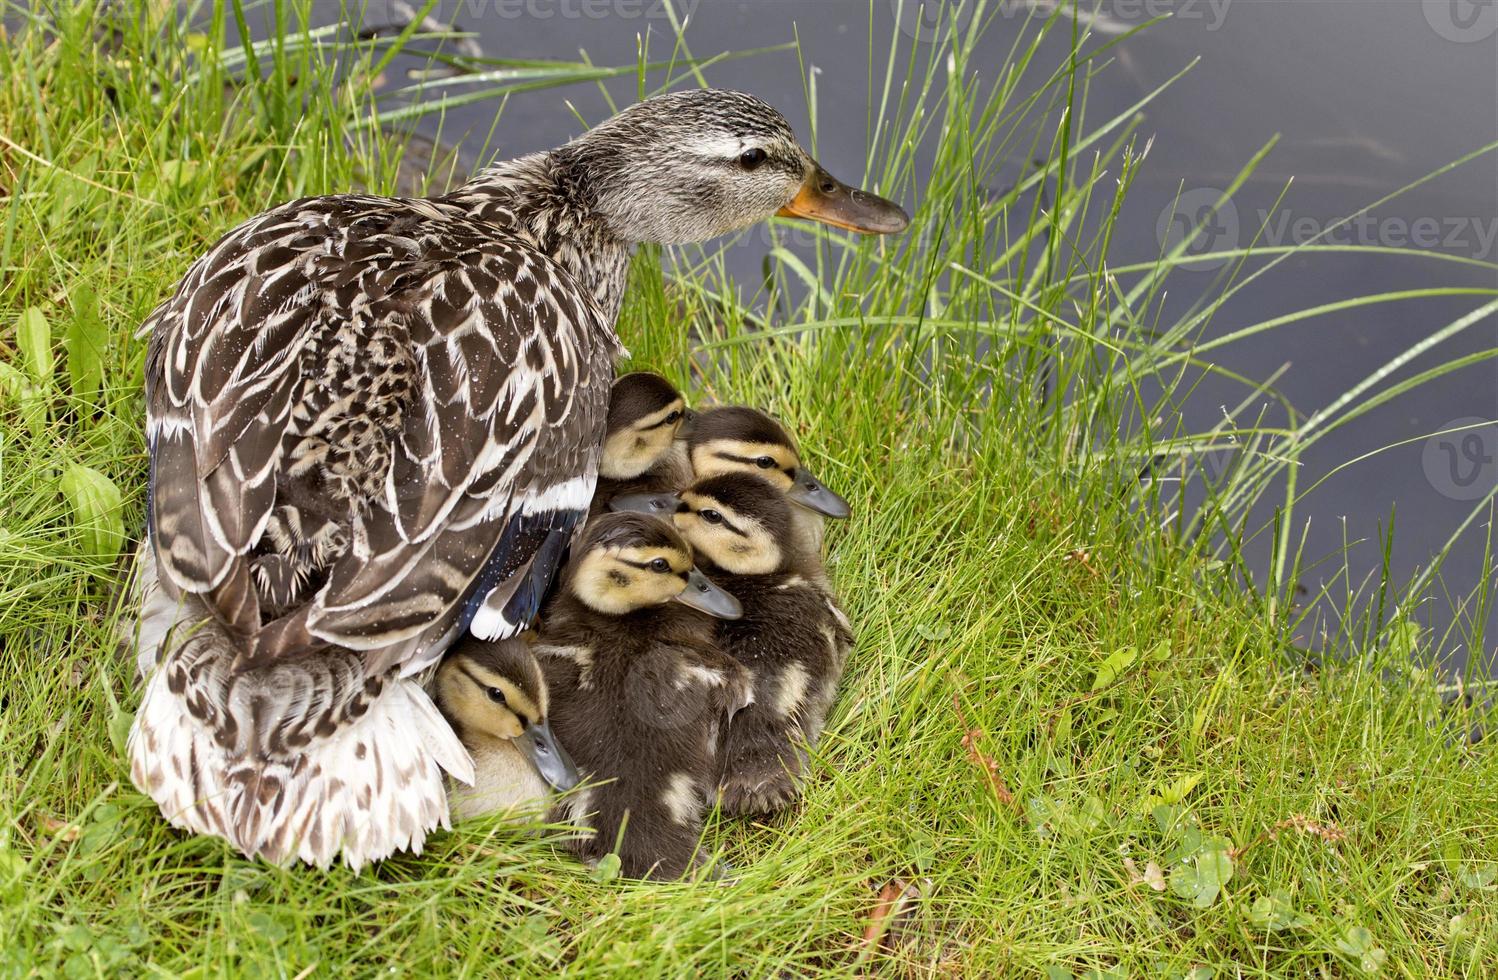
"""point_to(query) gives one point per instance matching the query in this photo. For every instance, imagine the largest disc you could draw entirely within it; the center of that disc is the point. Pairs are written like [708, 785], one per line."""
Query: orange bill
[826, 199]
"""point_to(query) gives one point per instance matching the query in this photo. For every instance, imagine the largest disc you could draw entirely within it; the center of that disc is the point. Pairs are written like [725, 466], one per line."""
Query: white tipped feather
[176, 762]
[373, 788]
[248, 757]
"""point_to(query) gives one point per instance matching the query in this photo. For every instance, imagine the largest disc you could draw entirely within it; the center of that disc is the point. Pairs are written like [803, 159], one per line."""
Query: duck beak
[687, 424]
[826, 199]
[810, 493]
[701, 594]
[656, 504]
[541, 747]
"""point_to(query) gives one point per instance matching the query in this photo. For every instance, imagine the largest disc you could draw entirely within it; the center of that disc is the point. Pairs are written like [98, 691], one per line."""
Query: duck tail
[308, 758]
[373, 787]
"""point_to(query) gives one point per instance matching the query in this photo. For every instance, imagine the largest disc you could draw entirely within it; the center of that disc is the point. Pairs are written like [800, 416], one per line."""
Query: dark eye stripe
[643, 566]
[747, 460]
[725, 522]
[664, 421]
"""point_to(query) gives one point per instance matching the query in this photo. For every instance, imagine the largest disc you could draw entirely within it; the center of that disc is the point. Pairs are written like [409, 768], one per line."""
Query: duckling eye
[712, 516]
[496, 695]
[673, 418]
[751, 158]
[764, 462]
[660, 565]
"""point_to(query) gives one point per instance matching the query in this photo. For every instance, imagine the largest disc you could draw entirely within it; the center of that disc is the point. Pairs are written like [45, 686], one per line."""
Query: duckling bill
[641, 692]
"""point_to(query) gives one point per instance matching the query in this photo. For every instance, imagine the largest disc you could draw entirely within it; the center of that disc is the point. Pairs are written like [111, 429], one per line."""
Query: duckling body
[792, 638]
[495, 696]
[641, 693]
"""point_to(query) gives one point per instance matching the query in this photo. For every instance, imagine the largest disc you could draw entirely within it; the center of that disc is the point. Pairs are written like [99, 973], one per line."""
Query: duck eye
[712, 516]
[660, 565]
[751, 158]
[496, 695]
[673, 418]
[764, 462]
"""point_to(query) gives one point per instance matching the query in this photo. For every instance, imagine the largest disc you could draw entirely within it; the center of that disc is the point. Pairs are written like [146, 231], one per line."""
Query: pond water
[1367, 97]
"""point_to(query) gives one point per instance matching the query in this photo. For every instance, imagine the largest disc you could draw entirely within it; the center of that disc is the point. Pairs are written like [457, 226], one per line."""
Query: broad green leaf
[607, 868]
[1357, 942]
[1201, 878]
[95, 502]
[1160, 652]
[1114, 666]
[34, 338]
[17, 387]
[1477, 875]
[86, 339]
[1276, 912]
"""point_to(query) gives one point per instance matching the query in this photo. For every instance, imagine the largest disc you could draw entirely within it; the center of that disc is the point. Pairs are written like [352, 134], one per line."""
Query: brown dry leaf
[893, 910]
[60, 829]
[1154, 876]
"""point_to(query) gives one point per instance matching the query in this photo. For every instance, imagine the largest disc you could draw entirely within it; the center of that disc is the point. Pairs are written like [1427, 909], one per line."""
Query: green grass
[975, 387]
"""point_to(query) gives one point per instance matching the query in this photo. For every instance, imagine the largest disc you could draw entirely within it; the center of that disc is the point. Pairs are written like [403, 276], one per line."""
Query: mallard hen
[374, 423]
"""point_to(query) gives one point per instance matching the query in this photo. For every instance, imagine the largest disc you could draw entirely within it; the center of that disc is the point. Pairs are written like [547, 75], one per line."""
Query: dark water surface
[1367, 96]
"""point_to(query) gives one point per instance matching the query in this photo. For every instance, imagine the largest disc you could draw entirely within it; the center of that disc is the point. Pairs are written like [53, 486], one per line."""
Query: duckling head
[645, 416]
[497, 691]
[629, 562]
[739, 522]
[692, 165]
[737, 439]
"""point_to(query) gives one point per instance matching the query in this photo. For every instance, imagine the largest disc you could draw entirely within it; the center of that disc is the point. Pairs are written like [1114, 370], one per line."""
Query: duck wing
[471, 412]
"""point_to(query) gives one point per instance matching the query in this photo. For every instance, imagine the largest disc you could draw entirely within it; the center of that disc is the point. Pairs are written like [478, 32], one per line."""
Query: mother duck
[376, 422]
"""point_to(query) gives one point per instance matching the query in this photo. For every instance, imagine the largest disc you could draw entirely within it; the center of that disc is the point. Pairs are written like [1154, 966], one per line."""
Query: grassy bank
[1073, 726]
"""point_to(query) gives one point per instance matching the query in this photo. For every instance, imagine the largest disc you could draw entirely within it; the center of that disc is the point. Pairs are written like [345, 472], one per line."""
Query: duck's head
[645, 416]
[629, 562]
[739, 522]
[496, 690]
[692, 165]
[737, 439]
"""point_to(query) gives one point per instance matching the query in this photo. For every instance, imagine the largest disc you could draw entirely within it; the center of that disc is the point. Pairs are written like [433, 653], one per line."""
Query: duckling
[792, 638]
[644, 447]
[640, 692]
[739, 439]
[494, 695]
